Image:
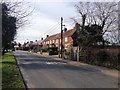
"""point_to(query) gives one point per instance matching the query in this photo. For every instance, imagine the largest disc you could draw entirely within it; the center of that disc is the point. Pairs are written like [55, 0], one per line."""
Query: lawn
[10, 72]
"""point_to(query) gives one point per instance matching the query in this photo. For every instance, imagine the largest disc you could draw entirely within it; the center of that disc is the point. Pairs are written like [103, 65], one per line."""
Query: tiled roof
[55, 36]
[52, 37]
[68, 33]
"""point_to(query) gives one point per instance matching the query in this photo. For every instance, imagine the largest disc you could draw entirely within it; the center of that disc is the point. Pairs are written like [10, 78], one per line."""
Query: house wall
[67, 43]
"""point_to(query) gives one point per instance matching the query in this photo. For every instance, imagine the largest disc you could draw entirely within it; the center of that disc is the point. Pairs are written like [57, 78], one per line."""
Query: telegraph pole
[61, 37]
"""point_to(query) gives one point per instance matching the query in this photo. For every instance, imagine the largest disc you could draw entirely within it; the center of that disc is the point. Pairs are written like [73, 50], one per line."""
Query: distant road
[45, 72]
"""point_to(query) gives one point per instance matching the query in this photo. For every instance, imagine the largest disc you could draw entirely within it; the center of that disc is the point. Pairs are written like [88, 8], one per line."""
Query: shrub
[44, 50]
[83, 56]
[102, 56]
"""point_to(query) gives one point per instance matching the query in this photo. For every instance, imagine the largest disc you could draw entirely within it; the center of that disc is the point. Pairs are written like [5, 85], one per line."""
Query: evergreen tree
[8, 27]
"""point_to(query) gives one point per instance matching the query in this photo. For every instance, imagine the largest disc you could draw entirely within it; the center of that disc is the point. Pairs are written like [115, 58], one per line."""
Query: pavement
[43, 71]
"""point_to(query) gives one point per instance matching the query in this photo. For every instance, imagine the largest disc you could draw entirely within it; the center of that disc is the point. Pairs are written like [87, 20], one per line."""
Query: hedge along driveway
[10, 73]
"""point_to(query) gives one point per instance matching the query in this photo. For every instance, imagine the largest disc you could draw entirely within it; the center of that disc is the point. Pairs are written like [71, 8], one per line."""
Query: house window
[66, 39]
[56, 40]
[50, 42]
[60, 40]
[66, 46]
[53, 41]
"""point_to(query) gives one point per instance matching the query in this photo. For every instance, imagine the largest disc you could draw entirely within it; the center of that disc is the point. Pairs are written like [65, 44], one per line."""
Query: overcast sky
[45, 19]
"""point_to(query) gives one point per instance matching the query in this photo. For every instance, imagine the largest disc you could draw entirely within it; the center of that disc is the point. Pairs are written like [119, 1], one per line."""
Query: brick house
[67, 39]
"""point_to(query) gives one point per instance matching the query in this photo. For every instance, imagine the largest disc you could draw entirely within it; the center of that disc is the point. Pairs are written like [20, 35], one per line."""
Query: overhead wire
[51, 28]
[55, 31]
[70, 19]
[55, 27]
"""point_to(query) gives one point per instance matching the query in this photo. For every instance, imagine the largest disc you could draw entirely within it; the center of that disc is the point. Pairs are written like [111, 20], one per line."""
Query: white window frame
[60, 40]
[50, 42]
[57, 40]
[53, 41]
[66, 39]
[66, 45]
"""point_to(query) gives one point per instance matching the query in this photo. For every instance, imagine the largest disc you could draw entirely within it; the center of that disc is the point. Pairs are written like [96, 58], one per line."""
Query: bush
[102, 56]
[44, 50]
[83, 56]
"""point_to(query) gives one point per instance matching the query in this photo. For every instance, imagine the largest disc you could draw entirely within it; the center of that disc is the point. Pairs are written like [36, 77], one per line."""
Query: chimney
[77, 26]
[41, 38]
[47, 35]
[65, 29]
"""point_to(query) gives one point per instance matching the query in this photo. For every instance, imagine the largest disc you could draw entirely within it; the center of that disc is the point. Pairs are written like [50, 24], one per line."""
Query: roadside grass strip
[10, 73]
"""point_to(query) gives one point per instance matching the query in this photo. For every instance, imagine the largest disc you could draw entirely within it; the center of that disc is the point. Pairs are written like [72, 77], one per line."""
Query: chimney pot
[41, 38]
[77, 26]
[65, 29]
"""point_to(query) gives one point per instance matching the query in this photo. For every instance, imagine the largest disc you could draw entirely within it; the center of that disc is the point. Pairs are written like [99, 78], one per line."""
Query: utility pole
[61, 37]
[77, 27]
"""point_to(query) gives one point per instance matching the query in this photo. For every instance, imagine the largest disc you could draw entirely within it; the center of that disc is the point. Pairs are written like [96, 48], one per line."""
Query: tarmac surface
[42, 71]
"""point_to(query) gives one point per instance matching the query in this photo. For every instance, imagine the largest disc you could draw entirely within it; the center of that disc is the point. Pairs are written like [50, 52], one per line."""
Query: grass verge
[10, 72]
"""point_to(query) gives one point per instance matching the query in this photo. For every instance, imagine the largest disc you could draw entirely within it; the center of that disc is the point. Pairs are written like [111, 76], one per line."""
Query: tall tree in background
[96, 20]
[8, 27]
[103, 14]
[106, 14]
[13, 17]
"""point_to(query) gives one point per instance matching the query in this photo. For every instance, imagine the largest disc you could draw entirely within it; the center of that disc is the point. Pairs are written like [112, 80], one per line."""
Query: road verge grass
[10, 73]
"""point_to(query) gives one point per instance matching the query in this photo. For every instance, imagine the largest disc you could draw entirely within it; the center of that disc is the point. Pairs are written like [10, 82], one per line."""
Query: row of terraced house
[67, 40]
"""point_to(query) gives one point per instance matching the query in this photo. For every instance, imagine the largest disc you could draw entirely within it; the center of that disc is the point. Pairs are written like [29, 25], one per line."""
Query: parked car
[53, 50]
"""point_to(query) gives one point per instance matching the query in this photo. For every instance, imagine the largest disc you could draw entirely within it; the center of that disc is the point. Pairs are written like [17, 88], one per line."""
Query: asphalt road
[45, 72]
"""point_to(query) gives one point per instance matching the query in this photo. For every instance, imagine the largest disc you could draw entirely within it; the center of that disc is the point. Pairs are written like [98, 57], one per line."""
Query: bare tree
[106, 13]
[13, 17]
[19, 9]
[83, 9]
[103, 14]
[112, 37]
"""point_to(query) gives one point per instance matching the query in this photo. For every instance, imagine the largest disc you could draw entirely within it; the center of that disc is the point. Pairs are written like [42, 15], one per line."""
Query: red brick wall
[69, 41]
